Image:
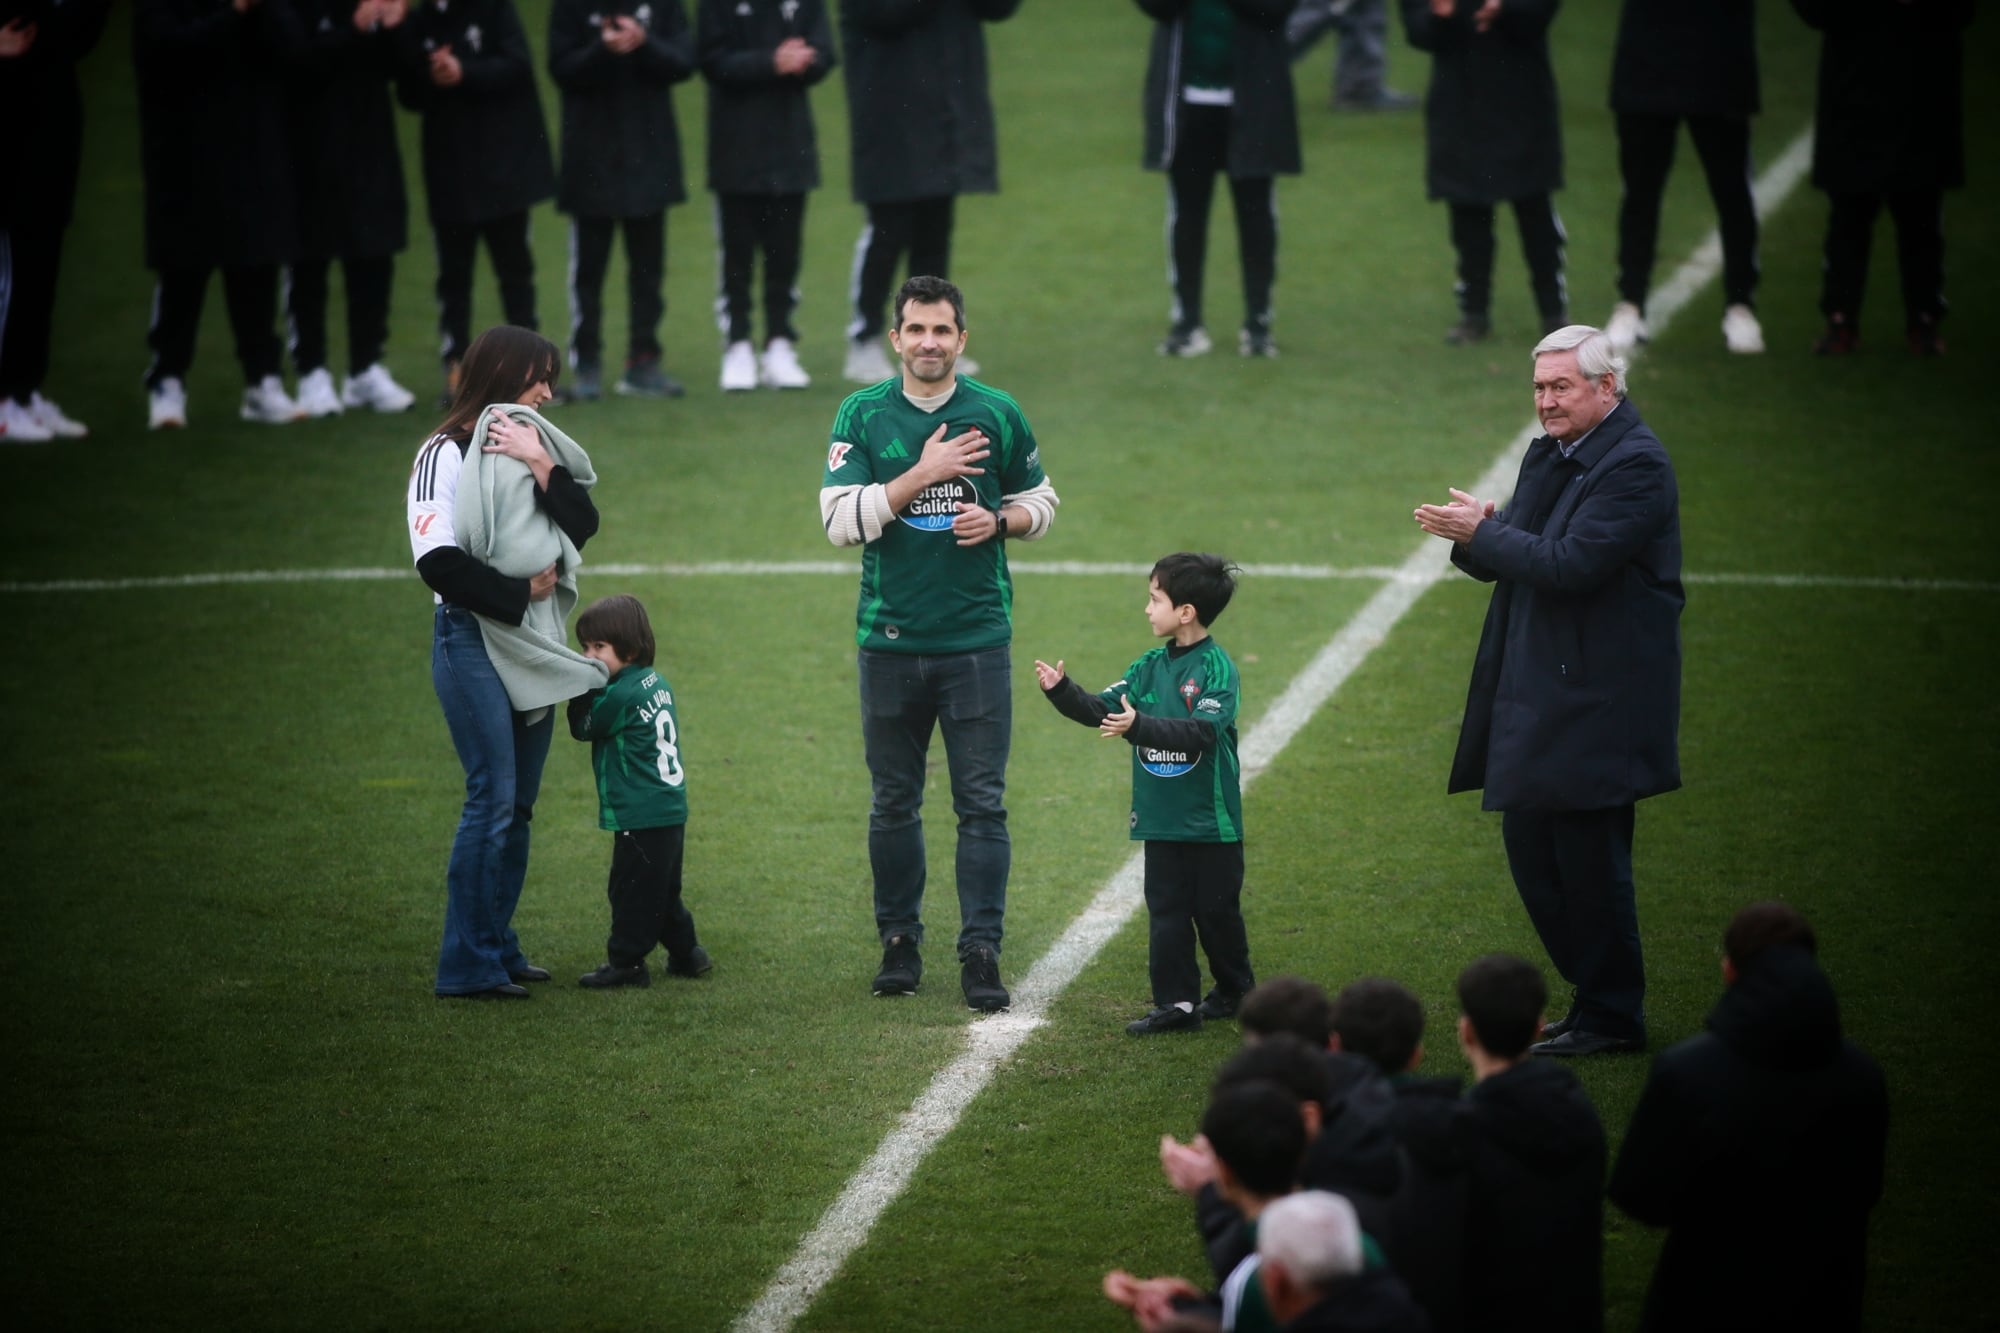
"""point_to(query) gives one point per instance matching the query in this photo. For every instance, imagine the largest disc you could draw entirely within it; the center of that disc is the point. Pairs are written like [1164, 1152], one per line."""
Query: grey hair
[1312, 1235]
[1595, 356]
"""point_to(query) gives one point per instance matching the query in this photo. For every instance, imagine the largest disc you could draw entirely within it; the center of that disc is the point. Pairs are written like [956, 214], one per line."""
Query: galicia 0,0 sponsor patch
[936, 507]
[1167, 763]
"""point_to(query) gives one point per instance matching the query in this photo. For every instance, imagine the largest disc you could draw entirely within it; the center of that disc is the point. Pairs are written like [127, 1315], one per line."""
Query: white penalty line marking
[991, 1041]
[1033, 568]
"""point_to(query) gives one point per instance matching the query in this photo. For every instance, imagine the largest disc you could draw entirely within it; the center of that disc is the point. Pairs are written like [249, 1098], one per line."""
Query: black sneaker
[646, 378]
[902, 968]
[1469, 329]
[1219, 1004]
[979, 978]
[696, 964]
[1173, 1018]
[1840, 338]
[610, 976]
[584, 385]
[1255, 342]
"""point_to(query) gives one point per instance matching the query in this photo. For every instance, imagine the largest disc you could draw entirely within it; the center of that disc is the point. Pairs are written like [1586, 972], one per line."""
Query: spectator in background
[1692, 60]
[1493, 135]
[351, 203]
[466, 69]
[1361, 70]
[1219, 102]
[616, 62]
[1890, 131]
[1534, 1225]
[1759, 1146]
[1315, 1279]
[920, 133]
[218, 181]
[760, 57]
[40, 45]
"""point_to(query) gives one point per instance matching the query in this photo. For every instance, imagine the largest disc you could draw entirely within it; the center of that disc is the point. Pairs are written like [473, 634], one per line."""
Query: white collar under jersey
[935, 401]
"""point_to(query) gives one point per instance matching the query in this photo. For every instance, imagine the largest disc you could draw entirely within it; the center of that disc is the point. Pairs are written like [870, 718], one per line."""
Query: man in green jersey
[931, 474]
[1177, 708]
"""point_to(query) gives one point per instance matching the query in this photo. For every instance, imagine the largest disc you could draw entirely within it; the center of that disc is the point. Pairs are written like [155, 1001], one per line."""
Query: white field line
[991, 1041]
[845, 569]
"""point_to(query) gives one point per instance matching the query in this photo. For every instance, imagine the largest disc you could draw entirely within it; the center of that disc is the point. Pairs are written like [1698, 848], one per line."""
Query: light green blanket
[499, 524]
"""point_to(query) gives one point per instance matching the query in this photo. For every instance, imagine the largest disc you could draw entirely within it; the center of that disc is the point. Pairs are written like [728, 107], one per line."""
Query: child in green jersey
[635, 751]
[1176, 706]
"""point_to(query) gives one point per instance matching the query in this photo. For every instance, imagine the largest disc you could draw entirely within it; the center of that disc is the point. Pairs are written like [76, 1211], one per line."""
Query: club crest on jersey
[1166, 763]
[1188, 692]
[837, 455]
[936, 506]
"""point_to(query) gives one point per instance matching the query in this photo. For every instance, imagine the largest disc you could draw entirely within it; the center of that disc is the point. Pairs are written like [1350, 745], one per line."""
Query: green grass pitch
[233, 1102]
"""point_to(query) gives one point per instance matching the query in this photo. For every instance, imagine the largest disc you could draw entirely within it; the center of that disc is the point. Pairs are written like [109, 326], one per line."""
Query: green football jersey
[921, 592]
[1185, 796]
[635, 750]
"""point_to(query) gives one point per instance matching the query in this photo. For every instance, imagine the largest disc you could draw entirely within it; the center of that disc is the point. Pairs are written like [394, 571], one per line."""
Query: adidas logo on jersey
[896, 450]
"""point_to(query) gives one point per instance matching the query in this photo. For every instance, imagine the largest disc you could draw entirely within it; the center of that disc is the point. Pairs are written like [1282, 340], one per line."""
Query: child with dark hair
[1381, 1021]
[634, 736]
[1288, 1004]
[1176, 706]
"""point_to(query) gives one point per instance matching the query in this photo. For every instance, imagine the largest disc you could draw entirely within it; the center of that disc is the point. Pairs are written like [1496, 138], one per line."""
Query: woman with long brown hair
[501, 749]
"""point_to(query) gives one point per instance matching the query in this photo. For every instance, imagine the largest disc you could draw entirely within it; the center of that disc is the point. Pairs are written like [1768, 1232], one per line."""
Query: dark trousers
[30, 255]
[645, 893]
[513, 264]
[1645, 157]
[252, 296]
[920, 228]
[1850, 230]
[1541, 245]
[367, 282]
[1195, 889]
[773, 225]
[645, 280]
[1574, 872]
[1201, 153]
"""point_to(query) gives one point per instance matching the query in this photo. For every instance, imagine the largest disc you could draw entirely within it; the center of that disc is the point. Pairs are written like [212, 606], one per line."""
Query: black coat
[760, 123]
[1686, 58]
[1492, 126]
[1890, 116]
[1759, 1146]
[40, 89]
[1372, 1301]
[1534, 1236]
[212, 132]
[342, 126]
[920, 119]
[1425, 1237]
[621, 150]
[1576, 687]
[485, 144]
[1264, 126]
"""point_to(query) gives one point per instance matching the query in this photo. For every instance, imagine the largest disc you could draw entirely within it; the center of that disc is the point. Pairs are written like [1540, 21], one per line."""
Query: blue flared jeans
[502, 757]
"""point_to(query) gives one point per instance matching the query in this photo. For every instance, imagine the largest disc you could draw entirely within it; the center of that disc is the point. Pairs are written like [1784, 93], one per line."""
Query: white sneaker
[18, 424]
[52, 419]
[267, 401]
[167, 406]
[781, 368]
[867, 363]
[316, 395]
[739, 368]
[1741, 330]
[374, 388]
[1627, 326]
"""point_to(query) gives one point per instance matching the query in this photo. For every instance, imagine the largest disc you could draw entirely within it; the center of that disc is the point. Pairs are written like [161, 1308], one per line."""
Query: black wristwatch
[1000, 517]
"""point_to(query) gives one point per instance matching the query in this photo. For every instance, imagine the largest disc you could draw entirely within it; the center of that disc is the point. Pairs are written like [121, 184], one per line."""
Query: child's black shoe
[610, 975]
[1172, 1018]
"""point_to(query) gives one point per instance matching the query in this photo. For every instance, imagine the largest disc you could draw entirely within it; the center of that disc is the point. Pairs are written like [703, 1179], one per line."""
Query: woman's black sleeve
[463, 581]
[569, 505]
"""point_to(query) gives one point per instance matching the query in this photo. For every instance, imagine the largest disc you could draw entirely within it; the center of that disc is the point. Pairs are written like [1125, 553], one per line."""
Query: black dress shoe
[507, 992]
[1560, 1026]
[1577, 1042]
[529, 972]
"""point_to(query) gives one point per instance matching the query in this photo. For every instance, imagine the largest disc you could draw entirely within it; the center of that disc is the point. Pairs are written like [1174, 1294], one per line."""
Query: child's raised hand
[1048, 676]
[1117, 724]
[1187, 1166]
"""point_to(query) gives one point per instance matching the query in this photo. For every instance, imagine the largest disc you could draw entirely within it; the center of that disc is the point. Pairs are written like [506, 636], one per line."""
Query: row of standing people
[269, 152]
[1219, 102]
[1336, 1186]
